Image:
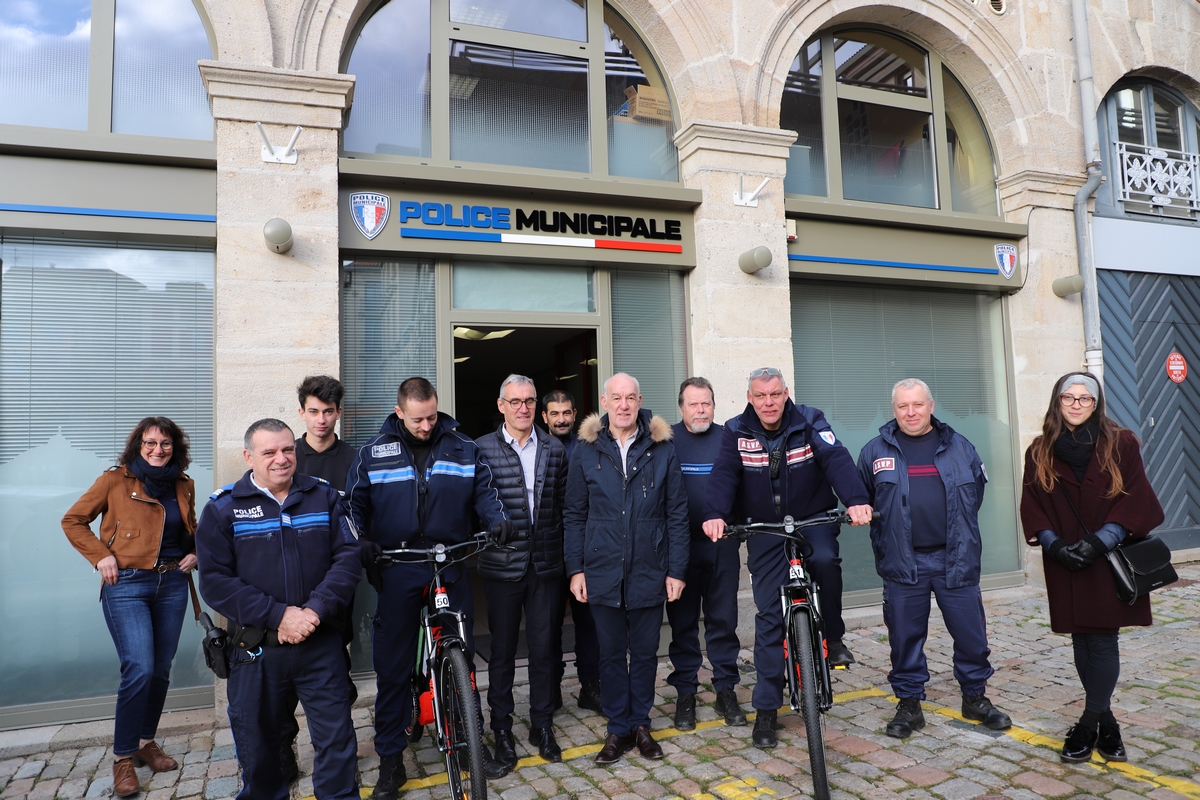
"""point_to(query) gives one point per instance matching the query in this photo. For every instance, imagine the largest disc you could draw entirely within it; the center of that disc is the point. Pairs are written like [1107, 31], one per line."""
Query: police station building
[857, 192]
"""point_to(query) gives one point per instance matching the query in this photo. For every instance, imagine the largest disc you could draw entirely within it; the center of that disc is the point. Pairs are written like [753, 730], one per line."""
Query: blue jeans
[144, 611]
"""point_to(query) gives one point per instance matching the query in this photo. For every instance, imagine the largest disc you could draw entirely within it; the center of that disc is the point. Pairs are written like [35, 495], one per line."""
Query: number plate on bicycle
[441, 600]
[796, 572]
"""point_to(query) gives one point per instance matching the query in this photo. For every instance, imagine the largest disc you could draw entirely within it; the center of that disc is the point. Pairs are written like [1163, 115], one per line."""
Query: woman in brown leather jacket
[147, 507]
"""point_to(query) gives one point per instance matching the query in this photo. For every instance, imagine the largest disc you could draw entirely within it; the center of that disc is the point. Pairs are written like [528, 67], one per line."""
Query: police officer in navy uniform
[780, 459]
[712, 576]
[415, 484]
[927, 482]
[280, 562]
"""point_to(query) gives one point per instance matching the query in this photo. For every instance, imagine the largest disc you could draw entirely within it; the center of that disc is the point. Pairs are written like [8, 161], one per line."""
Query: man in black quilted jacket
[529, 469]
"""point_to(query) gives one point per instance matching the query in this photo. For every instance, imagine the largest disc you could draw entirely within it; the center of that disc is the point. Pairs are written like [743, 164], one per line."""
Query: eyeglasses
[150, 444]
[765, 372]
[1085, 401]
[516, 402]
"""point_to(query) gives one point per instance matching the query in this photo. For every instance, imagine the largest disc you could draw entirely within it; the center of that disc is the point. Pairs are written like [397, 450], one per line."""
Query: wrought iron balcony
[1155, 180]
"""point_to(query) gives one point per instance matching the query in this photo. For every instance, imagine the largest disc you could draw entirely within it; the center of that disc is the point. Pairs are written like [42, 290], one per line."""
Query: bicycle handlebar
[439, 553]
[789, 527]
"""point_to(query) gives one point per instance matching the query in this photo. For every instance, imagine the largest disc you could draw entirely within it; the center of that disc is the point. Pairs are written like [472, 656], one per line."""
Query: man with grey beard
[713, 572]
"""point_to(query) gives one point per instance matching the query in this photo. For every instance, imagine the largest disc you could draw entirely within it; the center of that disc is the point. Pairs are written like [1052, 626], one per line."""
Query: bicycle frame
[799, 596]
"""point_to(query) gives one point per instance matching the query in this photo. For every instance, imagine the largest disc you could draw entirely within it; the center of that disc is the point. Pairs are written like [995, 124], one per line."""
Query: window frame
[443, 32]
[933, 104]
[1108, 202]
[99, 137]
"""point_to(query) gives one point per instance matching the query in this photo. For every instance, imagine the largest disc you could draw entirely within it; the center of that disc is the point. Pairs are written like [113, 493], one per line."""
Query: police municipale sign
[1176, 366]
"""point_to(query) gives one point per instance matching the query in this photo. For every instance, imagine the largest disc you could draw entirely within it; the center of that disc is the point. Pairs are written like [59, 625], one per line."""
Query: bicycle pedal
[842, 666]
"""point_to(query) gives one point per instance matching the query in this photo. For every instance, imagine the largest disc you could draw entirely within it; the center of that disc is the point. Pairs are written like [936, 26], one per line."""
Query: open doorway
[554, 358]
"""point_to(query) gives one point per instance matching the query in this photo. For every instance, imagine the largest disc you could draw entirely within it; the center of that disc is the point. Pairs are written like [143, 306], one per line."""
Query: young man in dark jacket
[713, 572]
[279, 561]
[626, 540]
[779, 459]
[415, 483]
[319, 451]
[529, 470]
[927, 483]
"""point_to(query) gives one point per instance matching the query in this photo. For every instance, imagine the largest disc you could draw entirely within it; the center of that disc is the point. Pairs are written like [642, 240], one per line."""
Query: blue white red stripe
[557, 241]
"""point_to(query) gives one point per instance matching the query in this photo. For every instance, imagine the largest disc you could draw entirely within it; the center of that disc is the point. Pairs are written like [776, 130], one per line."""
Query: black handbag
[1139, 565]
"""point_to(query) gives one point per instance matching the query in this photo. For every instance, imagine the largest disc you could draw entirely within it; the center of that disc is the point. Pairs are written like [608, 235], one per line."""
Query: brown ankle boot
[125, 780]
[153, 755]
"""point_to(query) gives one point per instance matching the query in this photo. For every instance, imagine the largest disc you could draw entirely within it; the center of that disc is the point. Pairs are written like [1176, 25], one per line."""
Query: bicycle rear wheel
[460, 722]
[810, 707]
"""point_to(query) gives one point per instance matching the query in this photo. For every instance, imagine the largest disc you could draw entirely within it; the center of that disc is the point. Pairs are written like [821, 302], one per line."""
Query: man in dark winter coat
[529, 469]
[926, 481]
[626, 542]
[415, 483]
[779, 459]
[713, 572]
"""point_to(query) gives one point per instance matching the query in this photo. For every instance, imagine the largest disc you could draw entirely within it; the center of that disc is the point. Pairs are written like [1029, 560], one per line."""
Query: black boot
[1108, 742]
[764, 730]
[727, 706]
[685, 712]
[980, 709]
[909, 718]
[391, 777]
[1081, 738]
[589, 696]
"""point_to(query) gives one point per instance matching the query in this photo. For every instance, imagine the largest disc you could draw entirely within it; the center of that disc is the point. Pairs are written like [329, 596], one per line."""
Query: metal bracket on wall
[740, 198]
[279, 155]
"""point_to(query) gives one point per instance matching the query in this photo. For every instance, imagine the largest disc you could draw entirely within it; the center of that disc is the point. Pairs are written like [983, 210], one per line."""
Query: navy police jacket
[627, 535]
[391, 504]
[257, 557]
[815, 465]
[882, 467]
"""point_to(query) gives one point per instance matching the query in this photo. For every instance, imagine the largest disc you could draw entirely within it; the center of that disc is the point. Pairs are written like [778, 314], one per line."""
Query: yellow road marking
[748, 789]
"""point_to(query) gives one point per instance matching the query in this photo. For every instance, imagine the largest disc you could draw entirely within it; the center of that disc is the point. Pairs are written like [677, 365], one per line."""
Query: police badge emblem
[1006, 259]
[828, 437]
[370, 212]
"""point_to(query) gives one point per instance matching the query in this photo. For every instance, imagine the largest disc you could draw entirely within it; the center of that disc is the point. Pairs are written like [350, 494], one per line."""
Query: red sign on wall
[1176, 366]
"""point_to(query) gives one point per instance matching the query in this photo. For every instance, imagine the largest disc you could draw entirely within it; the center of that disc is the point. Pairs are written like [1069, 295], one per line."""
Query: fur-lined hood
[660, 429]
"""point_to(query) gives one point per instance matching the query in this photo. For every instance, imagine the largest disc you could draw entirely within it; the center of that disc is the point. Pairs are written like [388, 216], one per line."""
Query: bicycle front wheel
[460, 726]
[810, 707]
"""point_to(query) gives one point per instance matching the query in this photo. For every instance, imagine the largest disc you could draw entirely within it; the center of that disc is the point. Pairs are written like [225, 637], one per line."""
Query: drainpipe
[1093, 354]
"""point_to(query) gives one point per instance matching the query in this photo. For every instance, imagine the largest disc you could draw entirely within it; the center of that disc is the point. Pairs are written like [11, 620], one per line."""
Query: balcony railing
[1155, 180]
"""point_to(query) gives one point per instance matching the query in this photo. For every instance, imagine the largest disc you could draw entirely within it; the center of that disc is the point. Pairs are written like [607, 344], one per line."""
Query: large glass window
[516, 84]
[44, 50]
[649, 335]
[954, 341]
[1151, 147]
[870, 106]
[93, 337]
[157, 89]
[513, 287]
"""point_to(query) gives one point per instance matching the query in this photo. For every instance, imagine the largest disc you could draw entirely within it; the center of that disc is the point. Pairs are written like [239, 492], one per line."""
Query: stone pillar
[276, 315]
[738, 321]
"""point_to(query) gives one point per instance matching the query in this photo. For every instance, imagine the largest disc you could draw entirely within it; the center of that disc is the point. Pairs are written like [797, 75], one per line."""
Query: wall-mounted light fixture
[752, 261]
[1065, 287]
[278, 234]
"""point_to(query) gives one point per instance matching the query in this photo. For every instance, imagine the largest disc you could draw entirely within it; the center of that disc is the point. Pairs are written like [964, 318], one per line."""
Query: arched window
[105, 66]
[533, 84]
[1150, 140]
[880, 119]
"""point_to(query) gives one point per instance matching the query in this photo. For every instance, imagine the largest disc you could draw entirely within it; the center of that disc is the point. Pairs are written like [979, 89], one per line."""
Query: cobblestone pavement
[1157, 703]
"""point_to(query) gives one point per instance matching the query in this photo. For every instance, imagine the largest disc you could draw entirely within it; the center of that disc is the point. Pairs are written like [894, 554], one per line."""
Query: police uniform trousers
[906, 613]
[712, 583]
[394, 644]
[767, 559]
[628, 664]
[259, 684]
[289, 729]
[540, 600]
[587, 649]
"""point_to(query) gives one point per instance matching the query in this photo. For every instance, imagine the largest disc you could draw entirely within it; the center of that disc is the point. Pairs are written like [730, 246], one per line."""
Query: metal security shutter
[1143, 318]
[650, 335]
[387, 336]
[852, 342]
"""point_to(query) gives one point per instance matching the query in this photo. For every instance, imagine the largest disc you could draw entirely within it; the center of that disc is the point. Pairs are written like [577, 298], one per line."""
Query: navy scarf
[160, 481]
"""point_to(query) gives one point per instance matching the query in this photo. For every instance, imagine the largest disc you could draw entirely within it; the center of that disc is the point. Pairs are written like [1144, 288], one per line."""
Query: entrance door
[554, 358]
[1144, 318]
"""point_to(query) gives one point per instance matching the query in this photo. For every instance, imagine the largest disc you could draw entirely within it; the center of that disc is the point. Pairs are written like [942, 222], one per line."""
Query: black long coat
[1086, 601]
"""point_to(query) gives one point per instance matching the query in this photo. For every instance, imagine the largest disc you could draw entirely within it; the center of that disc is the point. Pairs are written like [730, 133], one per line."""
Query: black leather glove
[503, 532]
[370, 553]
[1075, 557]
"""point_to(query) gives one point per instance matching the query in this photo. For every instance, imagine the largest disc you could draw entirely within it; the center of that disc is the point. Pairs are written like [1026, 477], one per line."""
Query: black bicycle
[804, 646]
[443, 683]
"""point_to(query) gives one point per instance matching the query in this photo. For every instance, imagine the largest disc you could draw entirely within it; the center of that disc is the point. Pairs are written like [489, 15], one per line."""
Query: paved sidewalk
[1157, 703]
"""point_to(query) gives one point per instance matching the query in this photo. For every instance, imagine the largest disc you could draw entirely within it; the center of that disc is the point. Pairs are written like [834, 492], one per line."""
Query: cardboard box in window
[647, 102]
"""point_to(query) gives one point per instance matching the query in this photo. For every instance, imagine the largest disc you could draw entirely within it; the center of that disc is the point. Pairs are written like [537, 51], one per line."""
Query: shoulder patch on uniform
[983, 469]
[882, 464]
[226, 489]
[828, 437]
[385, 450]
